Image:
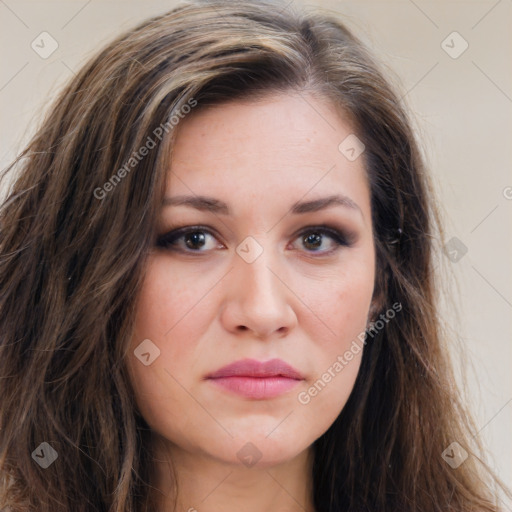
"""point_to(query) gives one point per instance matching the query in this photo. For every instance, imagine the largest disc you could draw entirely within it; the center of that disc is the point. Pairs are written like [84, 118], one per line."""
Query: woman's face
[256, 279]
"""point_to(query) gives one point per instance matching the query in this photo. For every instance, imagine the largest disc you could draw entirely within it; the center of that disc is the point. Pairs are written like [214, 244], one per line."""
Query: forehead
[281, 146]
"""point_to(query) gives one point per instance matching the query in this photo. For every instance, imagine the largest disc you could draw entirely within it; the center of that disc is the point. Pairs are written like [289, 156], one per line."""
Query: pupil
[195, 238]
[315, 240]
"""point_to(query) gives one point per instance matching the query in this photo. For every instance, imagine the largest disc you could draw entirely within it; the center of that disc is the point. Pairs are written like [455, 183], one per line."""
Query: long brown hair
[72, 259]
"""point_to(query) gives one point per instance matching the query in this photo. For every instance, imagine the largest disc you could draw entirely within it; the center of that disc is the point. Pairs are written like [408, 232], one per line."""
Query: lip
[256, 379]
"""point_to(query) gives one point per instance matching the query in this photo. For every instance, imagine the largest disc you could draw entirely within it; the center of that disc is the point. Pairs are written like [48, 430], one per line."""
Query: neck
[201, 483]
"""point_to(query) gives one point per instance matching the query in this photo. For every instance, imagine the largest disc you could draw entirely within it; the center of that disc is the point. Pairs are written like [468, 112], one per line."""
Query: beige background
[463, 108]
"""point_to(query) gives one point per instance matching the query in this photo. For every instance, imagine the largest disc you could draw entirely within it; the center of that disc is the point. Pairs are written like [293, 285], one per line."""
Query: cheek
[332, 317]
[164, 299]
[341, 308]
[164, 312]
[349, 306]
[167, 310]
[341, 299]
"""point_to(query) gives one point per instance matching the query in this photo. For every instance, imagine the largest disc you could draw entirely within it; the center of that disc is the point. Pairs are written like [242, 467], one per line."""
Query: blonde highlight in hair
[71, 265]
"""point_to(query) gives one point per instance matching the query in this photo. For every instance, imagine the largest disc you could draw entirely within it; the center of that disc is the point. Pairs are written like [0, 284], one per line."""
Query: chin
[259, 450]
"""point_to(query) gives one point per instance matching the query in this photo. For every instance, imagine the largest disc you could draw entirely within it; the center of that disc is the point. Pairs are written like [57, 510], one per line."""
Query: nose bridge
[256, 298]
[254, 260]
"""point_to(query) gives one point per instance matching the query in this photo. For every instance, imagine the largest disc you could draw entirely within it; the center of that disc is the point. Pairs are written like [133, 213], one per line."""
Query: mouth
[256, 380]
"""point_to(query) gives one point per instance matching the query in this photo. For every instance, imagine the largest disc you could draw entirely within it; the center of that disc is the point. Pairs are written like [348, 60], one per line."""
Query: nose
[256, 298]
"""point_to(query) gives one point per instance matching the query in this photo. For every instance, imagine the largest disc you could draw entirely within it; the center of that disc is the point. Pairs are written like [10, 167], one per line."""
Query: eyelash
[340, 239]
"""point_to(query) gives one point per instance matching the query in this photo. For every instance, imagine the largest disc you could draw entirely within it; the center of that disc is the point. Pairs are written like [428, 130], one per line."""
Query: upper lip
[254, 368]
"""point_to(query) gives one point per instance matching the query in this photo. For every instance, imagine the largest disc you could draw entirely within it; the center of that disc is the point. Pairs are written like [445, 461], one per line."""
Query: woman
[217, 288]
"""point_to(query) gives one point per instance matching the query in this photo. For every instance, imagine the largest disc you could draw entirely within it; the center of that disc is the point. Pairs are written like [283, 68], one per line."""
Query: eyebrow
[210, 204]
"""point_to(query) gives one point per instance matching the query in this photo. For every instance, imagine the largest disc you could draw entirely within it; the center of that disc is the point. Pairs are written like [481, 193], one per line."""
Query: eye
[189, 239]
[198, 239]
[314, 239]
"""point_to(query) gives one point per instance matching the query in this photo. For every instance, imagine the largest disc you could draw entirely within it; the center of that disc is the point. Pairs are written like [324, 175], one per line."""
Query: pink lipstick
[256, 380]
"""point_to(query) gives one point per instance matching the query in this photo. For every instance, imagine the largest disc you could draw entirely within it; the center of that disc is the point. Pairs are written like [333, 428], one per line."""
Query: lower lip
[256, 388]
